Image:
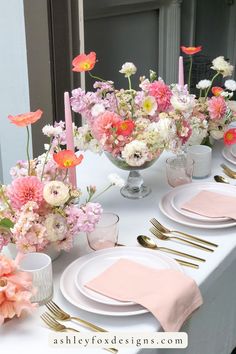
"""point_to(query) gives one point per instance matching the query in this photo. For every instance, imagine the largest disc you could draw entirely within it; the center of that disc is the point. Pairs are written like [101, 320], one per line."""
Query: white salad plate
[72, 293]
[227, 154]
[99, 263]
[180, 198]
[189, 190]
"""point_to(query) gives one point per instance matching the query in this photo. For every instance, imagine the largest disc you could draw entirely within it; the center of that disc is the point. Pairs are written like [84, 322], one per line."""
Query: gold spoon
[147, 242]
[221, 179]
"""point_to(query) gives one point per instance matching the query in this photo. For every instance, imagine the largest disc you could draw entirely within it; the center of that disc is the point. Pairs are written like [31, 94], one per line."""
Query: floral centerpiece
[138, 124]
[209, 117]
[41, 207]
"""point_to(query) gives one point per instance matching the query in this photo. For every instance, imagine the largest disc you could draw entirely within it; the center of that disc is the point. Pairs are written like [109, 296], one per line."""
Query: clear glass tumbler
[106, 232]
[179, 170]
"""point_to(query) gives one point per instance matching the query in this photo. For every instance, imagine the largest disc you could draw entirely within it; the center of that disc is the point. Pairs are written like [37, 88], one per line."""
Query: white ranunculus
[128, 69]
[230, 85]
[183, 103]
[56, 193]
[97, 109]
[56, 227]
[222, 66]
[135, 153]
[203, 84]
[217, 134]
[163, 127]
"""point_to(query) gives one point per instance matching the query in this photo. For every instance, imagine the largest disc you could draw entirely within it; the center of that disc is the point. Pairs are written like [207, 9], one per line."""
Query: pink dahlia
[162, 94]
[217, 107]
[25, 189]
[105, 124]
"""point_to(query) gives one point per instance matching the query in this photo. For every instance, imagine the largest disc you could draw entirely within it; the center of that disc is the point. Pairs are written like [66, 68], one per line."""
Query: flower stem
[96, 77]
[27, 149]
[190, 73]
[66, 174]
[4, 198]
[99, 194]
[46, 157]
[213, 79]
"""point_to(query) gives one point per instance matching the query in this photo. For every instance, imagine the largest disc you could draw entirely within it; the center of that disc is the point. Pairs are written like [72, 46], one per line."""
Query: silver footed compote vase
[134, 187]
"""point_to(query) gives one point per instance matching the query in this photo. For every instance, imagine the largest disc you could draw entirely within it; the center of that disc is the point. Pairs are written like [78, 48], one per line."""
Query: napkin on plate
[212, 204]
[170, 295]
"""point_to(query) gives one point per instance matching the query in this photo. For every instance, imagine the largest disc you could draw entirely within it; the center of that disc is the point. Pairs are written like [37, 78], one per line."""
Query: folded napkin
[212, 204]
[169, 295]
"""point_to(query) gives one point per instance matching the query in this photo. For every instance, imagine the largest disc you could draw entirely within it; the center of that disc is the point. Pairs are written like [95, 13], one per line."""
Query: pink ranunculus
[217, 107]
[162, 94]
[104, 124]
[25, 189]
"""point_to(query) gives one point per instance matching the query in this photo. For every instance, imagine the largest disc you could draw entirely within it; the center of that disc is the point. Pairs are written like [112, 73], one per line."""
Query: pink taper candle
[69, 136]
[181, 71]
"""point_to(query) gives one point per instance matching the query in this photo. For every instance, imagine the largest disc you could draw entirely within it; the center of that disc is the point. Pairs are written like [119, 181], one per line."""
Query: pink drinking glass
[179, 170]
[106, 232]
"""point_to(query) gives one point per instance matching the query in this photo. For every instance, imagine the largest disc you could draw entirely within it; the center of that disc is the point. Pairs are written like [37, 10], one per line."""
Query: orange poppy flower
[124, 127]
[191, 50]
[84, 62]
[230, 136]
[67, 159]
[22, 120]
[216, 90]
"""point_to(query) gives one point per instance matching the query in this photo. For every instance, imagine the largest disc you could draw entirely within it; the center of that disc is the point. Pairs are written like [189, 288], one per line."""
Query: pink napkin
[212, 204]
[170, 295]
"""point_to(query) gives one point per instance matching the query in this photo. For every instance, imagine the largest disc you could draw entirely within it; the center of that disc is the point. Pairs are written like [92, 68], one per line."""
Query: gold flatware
[55, 325]
[147, 242]
[228, 171]
[169, 232]
[187, 264]
[156, 232]
[64, 316]
[221, 179]
[58, 327]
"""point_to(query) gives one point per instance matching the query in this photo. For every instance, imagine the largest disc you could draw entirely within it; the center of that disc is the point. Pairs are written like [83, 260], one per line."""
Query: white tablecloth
[211, 329]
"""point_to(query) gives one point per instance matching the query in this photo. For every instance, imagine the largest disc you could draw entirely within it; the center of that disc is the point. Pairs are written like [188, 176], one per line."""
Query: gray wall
[14, 91]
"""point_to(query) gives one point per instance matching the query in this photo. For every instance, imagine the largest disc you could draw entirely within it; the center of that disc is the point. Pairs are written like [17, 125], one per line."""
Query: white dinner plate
[233, 150]
[180, 197]
[228, 155]
[76, 298]
[167, 209]
[99, 263]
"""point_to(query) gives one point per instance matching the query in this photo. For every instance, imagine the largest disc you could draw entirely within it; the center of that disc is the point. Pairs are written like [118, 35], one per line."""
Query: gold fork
[54, 324]
[156, 232]
[64, 316]
[169, 232]
[228, 171]
[58, 327]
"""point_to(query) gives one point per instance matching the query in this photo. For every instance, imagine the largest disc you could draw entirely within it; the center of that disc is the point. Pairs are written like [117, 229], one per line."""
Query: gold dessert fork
[58, 327]
[156, 232]
[169, 232]
[55, 325]
[64, 316]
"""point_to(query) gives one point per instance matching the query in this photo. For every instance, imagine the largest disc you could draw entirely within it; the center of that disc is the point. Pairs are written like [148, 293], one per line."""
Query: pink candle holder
[179, 170]
[106, 232]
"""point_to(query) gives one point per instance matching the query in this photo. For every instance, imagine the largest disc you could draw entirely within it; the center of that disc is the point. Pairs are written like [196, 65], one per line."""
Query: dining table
[211, 329]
